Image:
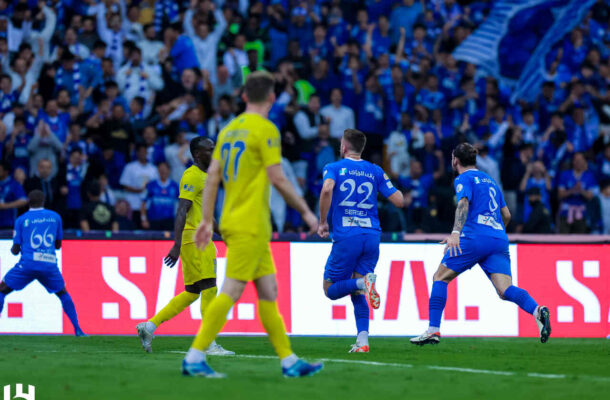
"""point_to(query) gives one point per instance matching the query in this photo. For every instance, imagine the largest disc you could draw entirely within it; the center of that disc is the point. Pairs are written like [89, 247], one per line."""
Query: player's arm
[505, 212]
[210, 191]
[397, 199]
[326, 198]
[285, 188]
[461, 214]
[14, 204]
[184, 206]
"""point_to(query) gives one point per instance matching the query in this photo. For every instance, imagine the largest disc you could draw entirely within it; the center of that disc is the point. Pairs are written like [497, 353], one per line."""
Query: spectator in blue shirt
[75, 176]
[56, 122]
[17, 145]
[159, 206]
[12, 197]
[405, 16]
[154, 147]
[181, 49]
[603, 164]
[576, 188]
[535, 176]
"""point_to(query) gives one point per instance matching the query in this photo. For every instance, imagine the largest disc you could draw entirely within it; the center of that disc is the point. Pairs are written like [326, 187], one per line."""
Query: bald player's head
[201, 150]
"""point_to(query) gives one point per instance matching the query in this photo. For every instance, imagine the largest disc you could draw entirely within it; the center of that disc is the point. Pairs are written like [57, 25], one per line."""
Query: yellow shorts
[197, 264]
[248, 257]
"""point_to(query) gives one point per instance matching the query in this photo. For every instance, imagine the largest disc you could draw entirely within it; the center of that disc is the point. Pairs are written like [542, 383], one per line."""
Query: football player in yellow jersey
[198, 267]
[246, 159]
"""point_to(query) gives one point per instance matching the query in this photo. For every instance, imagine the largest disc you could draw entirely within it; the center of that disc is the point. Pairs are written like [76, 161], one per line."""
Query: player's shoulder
[53, 214]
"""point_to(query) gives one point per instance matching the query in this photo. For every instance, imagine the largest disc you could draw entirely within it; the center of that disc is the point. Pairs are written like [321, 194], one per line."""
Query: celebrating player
[478, 237]
[350, 194]
[38, 234]
[198, 267]
[247, 157]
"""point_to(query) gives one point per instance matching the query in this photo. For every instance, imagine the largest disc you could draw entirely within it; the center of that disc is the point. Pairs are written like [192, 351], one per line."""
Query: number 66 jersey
[36, 232]
[353, 209]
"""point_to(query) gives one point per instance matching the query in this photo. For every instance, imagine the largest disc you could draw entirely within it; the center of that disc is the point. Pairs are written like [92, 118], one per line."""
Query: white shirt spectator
[150, 50]
[398, 153]
[45, 34]
[234, 59]
[277, 202]
[113, 39]
[137, 175]
[217, 123]
[207, 48]
[490, 166]
[341, 118]
[304, 127]
[177, 156]
[132, 83]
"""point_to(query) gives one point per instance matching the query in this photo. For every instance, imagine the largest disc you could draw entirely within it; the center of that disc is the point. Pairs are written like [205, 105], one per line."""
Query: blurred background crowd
[99, 99]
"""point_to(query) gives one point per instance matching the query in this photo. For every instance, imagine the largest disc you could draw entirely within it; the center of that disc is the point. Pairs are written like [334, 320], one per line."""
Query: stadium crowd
[99, 99]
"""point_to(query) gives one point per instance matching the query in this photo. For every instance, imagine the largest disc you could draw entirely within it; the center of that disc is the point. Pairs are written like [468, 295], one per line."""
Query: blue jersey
[161, 199]
[36, 232]
[486, 200]
[354, 206]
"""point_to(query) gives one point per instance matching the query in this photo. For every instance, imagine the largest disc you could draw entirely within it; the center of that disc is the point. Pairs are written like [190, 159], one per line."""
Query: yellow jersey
[245, 148]
[191, 188]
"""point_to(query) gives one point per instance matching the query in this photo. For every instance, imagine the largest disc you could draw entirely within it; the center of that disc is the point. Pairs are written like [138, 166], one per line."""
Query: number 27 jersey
[354, 206]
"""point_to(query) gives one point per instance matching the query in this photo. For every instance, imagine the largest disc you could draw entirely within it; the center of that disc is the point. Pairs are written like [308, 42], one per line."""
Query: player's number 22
[225, 154]
[350, 185]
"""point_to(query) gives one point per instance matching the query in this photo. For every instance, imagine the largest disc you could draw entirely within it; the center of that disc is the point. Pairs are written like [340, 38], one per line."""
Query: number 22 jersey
[354, 206]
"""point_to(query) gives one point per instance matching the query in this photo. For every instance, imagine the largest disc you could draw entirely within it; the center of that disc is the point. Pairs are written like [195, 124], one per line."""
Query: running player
[198, 267]
[247, 157]
[350, 194]
[478, 237]
[38, 234]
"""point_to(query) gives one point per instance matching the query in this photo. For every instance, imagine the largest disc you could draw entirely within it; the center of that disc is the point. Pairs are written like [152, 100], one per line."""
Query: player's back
[354, 205]
[486, 200]
[36, 232]
[245, 148]
[191, 188]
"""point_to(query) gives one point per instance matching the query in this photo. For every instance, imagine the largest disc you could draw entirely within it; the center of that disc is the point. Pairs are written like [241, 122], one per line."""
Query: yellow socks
[174, 307]
[274, 325]
[214, 320]
[206, 298]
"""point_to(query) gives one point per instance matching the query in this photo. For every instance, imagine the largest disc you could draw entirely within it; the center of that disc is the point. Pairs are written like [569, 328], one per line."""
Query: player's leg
[241, 255]
[4, 291]
[449, 269]
[497, 267]
[70, 309]
[338, 279]
[269, 313]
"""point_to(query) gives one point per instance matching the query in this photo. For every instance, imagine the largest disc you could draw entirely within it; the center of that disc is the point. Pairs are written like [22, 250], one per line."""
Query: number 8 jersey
[354, 207]
[485, 202]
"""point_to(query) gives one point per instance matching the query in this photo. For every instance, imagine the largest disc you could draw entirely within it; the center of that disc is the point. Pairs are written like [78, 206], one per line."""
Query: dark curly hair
[466, 154]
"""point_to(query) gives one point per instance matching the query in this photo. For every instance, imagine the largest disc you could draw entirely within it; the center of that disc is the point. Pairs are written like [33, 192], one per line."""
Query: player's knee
[4, 289]
[501, 293]
[443, 274]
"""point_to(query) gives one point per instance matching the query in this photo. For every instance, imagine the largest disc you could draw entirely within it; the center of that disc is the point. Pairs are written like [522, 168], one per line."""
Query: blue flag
[513, 42]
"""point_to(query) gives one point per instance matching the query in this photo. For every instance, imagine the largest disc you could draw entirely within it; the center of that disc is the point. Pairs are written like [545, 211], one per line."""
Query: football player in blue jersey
[478, 237]
[348, 213]
[38, 234]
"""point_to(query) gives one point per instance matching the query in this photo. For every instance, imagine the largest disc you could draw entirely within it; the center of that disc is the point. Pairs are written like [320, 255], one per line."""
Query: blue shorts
[357, 253]
[490, 253]
[22, 275]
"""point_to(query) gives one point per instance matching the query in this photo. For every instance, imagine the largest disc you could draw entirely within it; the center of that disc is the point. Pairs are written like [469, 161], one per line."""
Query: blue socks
[438, 299]
[521, 298]
[2, 296]
[342, 288]
[68, 306]
[361, 312]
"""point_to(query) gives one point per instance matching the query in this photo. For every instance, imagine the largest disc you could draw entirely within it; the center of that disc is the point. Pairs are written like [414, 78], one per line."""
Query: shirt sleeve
[384, 184]
[463, 188]
[270, 147]
[329, 173]
[191, 187]
[17, 232]
[60, 229]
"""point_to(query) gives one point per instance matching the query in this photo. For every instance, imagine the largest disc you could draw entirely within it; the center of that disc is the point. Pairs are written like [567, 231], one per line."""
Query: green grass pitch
[115, 367]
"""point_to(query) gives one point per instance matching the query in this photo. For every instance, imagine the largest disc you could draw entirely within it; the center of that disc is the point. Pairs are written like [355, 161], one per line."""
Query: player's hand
[323, 230]
[203, 235]
[312, 222]
[453, 244]
[172, 257]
